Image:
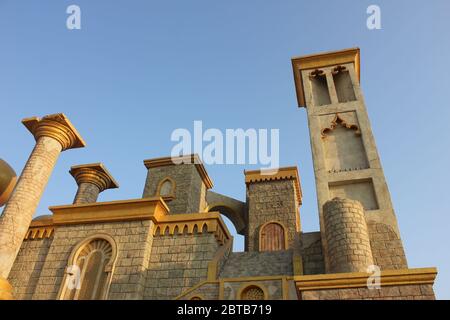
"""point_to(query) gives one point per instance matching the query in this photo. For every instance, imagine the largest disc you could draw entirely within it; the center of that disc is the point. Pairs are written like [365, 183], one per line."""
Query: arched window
[252, 293]
[166, 188]
[89, 270]
[272, 237]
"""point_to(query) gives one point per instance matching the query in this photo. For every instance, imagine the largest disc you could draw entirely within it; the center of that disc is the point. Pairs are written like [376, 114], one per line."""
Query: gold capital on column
[55, 126]
[94, 173]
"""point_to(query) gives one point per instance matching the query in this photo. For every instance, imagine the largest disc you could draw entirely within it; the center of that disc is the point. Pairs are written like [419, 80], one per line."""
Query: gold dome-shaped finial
[8, 180]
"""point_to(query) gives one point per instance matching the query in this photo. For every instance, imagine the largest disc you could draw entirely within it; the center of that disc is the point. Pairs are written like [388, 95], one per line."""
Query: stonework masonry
[271, 201]
[190, 191]
[346, 232]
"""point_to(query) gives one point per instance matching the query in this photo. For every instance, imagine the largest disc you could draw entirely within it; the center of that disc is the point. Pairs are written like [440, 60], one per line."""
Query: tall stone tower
[346, 161]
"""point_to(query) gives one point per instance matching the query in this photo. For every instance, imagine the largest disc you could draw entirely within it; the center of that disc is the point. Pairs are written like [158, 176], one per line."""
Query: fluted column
[53, 134]
[91, 179]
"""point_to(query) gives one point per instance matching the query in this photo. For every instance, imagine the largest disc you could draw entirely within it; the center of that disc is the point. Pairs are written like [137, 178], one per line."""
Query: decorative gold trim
[246, 286]
[109, 268]
[285, 288]
[359, 279]
[190, 223]
[286, 242]
[123, 210]
[5, 290]
[39, 233]
[285, 173]
[94, 173]
[339, 121]
[188, 159]
[322, 60]
[297, 264]
[56, 126]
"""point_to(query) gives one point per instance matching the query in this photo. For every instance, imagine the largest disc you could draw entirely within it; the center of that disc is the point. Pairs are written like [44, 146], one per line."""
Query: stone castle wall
[177, 263]
[27, 268]
[190, 191]
[271, 201]
[387, 248]
[134, 241]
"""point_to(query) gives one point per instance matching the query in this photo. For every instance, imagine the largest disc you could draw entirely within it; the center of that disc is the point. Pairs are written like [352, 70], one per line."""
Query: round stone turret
[348, 245]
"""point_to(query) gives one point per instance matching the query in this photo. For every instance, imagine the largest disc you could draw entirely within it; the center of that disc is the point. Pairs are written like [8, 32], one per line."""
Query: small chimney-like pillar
[91, 179]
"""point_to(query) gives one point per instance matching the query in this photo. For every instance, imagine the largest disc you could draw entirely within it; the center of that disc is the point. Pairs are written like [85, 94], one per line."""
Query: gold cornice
[94, 173]
[39, 233]
[123, 210]
[56, 126]
[359, 279]
[211, 222]
[322, 60]
[286, 173]
[188, 159]
[153, 209]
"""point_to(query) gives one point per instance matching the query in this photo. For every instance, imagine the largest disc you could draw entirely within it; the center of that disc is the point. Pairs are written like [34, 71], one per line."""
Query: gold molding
[285, 173]
[187, 159]
[39, 233]
[322, 60]
[123, 210]
[56, 126]
[169, 225]
[5, 290]
[359, 279]
[153, 208]
[93, 173]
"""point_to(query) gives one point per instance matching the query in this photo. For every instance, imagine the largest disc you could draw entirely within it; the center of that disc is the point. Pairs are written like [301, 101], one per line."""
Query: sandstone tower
[346, 161]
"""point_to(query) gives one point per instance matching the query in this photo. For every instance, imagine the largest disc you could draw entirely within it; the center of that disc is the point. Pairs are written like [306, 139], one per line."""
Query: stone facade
[272, 201]
[407, 292]
[177, 263]
[173, 244]
[346, 232]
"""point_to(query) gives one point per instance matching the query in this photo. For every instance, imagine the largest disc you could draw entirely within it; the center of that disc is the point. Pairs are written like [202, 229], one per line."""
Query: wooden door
[272, 237]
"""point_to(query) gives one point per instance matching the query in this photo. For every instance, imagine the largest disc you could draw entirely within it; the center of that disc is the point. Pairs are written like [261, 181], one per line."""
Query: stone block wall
[207, 291]
[405, 292]
[387, 248]
[311, 253]
[134, 241]
[177, 263]
[271, 201]
[348, 246]
[253, 264]
[27, 267]
[190, 191]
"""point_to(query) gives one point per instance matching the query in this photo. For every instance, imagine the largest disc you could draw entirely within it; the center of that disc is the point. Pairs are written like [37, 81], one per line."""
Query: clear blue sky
[137, 70]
